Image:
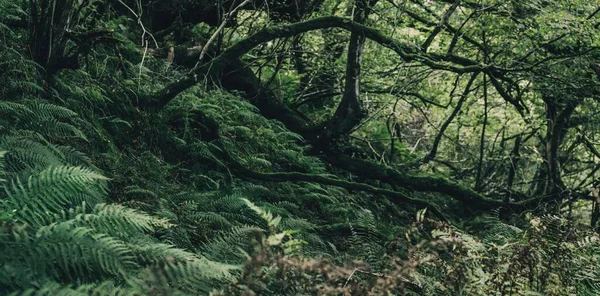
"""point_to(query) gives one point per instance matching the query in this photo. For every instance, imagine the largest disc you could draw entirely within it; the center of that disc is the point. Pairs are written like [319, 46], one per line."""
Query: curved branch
[408, 53]
[470, 198]
[451, 29]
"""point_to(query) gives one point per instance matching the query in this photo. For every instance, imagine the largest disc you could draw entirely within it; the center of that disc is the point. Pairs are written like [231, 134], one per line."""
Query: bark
[514, 162]
[470, 199]
[395, 196]
[240, 77]
[51, 26]
[349, 112]
[479, 176]
[595, 216]
[550, 187]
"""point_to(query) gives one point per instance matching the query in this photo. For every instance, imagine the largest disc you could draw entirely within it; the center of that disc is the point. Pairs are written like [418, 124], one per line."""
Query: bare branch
[438, 138]
[440, 25]
[218, 31]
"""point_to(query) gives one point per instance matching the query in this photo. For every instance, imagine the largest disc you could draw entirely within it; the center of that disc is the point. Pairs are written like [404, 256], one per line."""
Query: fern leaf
[54, 189]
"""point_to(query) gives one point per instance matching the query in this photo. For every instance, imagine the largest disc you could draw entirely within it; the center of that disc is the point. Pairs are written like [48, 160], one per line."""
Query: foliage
[284, 147]
[55, 230]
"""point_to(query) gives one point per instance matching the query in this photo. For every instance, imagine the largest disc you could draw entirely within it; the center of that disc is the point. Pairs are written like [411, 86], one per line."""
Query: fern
[227, 246]
[50, 244]
[119, 221]
[55, 229]
[365, 239]
[272, 221]
[53, 190]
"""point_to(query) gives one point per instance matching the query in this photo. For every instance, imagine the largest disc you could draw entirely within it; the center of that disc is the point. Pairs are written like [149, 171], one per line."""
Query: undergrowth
[101, 197]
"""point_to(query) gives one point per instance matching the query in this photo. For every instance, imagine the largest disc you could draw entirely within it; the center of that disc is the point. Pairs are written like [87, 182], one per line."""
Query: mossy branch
[467, 196]
[408, 53]
[395, 196]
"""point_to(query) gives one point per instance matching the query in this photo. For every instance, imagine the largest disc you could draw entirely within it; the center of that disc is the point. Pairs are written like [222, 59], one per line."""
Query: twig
[139, 20]
[217, 32]
[142, 65]
[371, 273]
[348, 280]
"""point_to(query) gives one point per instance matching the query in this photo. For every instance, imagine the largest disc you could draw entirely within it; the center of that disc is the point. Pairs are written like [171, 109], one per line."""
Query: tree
[474, 41]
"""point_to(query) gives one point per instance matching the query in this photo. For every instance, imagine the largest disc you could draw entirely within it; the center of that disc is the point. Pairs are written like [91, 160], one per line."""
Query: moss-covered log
[366, 169]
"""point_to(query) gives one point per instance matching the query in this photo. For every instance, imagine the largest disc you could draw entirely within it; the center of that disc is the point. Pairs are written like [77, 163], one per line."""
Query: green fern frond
[120, 121]
[553, 228]
[212, 219]
[226, 246]
[72, 157]
[54, 189]
[2, 154]
[73, 248]
[256, 162]
[497, 231]
[210, 182]
[120, 221]
[297, 224]
[55, 129]
[202, 150]
[136, 191]
[197, 271]
[15, 110]
[365, 238]
[229, 203]
[244, 218]
[27, 155]
[46, 110]
[288, 206]
[272, 220]
[27, 86]
[182, 266]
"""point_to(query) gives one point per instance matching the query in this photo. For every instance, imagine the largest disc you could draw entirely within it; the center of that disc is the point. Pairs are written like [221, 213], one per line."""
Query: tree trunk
[557, 124]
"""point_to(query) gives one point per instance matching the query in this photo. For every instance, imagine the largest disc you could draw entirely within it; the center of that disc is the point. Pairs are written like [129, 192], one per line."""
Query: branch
[218, 31]
[478, 176]
[506, 96]
[407, 52]
[438, 138]
[457, 34]
[514, 161]
[450, 29]
[493, 8]
[468, 197]
[327, 180]
[588, 144]
[439, 26]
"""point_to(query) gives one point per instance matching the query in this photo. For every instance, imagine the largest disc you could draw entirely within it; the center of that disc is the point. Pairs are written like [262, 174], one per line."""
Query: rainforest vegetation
[299, 147]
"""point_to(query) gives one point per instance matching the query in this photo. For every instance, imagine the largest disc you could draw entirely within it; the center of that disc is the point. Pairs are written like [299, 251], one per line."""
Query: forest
[299, 147]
